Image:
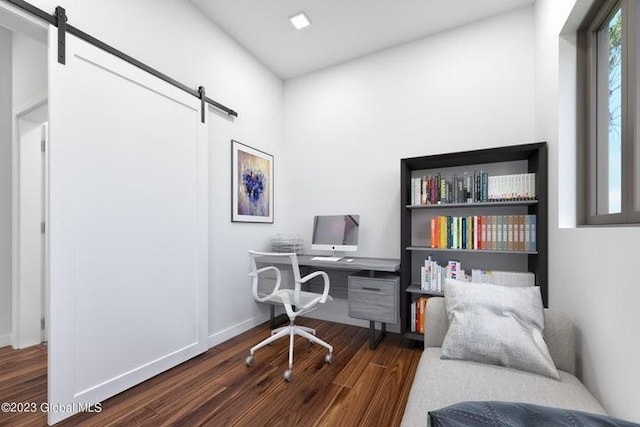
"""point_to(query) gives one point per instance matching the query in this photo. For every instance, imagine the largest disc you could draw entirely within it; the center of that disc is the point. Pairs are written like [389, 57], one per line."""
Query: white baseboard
[235, 330]
[5, 340]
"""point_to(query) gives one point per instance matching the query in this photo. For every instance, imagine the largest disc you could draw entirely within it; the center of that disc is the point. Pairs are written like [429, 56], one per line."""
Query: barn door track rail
[59, 19]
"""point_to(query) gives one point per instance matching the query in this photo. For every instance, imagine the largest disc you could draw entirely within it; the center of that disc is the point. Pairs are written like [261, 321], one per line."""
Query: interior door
[128, 227]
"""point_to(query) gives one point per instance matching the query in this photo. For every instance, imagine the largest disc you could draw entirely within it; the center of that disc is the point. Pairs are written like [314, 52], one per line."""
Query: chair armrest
[324, 275]
[275, 289]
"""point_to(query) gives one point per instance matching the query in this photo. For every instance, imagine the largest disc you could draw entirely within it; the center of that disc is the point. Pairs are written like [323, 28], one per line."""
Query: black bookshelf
[534, 156]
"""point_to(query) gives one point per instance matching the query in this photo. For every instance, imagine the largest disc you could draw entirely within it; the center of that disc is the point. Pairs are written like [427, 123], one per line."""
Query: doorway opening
[23, 188]
[30, 325]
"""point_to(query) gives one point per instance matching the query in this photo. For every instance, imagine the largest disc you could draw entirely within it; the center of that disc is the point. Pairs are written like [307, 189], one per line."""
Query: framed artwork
[251, 184]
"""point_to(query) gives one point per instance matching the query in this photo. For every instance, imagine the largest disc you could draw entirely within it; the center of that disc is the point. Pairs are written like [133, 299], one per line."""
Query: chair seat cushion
[287, 296]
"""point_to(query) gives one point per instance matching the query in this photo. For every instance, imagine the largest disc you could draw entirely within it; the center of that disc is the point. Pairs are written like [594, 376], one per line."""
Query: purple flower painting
[253, 186]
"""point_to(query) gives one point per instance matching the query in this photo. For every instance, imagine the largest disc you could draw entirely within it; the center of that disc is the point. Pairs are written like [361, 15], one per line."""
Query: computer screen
[335, 232]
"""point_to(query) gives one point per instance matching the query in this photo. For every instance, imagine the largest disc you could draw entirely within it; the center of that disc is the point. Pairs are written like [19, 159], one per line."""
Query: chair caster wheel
[311, 342]
[250, 361]
[328, 358]
[288, 375]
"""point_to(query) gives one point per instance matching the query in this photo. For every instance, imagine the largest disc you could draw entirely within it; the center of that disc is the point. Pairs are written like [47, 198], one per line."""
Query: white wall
[592, 274]
[29, 70]
[347, 127]
[175, 38]
[5, 186]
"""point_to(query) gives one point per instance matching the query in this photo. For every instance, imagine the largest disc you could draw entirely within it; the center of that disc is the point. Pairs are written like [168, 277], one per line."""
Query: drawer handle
[364, 288]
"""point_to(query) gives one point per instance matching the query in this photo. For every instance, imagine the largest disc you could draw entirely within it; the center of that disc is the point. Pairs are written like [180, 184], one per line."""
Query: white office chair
[295, 302]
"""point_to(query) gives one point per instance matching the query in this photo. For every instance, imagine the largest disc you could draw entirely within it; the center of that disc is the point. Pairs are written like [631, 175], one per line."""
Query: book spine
[475, 232]
[485, 187]
[464, 232]
[423, 304]
[534, 243]
[521, 235]
[432, 232]
[527, 233]
[510, 232]
[516, 233]
[413, 316]
[504, 224]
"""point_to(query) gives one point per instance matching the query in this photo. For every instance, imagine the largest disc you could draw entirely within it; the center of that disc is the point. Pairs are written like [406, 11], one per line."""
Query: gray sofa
[439, 383]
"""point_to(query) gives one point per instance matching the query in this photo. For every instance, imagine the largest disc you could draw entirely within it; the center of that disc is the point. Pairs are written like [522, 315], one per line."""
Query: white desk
[358, 264]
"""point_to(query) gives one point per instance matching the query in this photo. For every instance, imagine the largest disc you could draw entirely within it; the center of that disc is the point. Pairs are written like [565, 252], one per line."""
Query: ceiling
[341, 29]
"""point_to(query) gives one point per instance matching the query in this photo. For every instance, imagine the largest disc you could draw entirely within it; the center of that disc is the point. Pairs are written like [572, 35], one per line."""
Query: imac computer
[335, 233]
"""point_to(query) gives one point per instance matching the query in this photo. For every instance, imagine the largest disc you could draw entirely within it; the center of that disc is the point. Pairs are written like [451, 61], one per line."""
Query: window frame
[599, 14]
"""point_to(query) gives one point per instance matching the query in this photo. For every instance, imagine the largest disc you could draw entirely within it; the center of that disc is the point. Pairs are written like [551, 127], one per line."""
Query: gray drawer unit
[374, 298]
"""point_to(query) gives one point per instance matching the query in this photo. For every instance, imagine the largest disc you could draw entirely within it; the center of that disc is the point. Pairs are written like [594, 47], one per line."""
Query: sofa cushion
[471, 414]
[559, 333]
[497, 325]
[439, 383]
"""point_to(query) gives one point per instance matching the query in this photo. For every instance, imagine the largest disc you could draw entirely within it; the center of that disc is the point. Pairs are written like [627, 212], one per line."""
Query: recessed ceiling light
[300, 21]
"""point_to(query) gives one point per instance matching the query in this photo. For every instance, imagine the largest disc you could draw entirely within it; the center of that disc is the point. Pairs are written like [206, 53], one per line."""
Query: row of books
[484, 232]
[432, 278]
[472, 188]
[503, 278]
[432, 274]
[418, 317]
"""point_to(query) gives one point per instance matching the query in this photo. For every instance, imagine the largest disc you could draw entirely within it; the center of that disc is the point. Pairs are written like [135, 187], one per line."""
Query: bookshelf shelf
[480, 251]
[415, 336]
[461, 176]
[473, 205]
[415, 289]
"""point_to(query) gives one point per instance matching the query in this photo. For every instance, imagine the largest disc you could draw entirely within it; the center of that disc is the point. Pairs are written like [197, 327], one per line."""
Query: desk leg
[272, 315]
[280, 320]
[373, 340]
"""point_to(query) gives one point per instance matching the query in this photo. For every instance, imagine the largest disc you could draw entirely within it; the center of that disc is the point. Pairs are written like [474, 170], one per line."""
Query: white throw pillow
[497, 325]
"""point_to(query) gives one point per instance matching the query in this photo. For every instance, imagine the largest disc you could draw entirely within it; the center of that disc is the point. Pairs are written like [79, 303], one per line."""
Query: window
[610, 61]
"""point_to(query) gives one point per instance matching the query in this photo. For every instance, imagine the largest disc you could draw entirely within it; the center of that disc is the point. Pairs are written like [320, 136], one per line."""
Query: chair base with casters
[291, 330]
[295, 302]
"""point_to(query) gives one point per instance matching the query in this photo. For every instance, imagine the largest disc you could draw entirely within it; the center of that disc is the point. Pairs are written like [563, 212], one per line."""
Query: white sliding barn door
[128, 227]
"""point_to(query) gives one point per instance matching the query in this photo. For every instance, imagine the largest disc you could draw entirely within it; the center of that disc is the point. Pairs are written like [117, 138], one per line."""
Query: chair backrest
[275, 262]
[559, 333]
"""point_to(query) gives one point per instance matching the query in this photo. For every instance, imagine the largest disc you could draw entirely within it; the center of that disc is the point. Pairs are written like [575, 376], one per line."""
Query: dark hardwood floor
[360, 388]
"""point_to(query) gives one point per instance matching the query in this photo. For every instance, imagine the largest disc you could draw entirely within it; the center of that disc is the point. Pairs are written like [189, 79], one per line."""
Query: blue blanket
[511, 414]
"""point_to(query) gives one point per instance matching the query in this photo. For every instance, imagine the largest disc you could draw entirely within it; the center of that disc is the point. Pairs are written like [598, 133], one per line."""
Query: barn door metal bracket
[203, 103]
[61, 23]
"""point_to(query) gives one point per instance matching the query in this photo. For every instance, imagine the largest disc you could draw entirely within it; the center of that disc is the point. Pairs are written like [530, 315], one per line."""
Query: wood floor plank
[395, 385]
[312, 377]
[388, 351]
[403, 396]
[216, 388]
[351, 405]
[353, 371]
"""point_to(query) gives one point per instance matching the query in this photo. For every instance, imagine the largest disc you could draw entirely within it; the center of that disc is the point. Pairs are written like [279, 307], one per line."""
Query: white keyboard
[326, 258]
